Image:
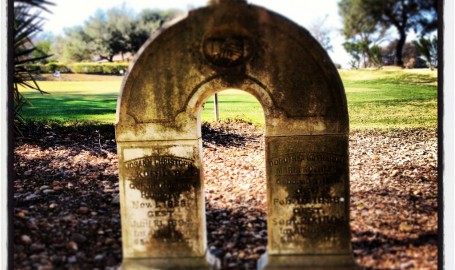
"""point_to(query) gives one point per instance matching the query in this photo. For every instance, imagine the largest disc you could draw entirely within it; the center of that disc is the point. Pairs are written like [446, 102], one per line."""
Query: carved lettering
[299, 157]
[162, 178]
[152, 223]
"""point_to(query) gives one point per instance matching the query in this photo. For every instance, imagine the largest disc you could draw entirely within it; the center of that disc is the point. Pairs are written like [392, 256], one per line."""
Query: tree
[148, 22]
[362, 32]
[73, 46]
[43, 42]
[120, 22]
[428, 48]
[375, 56]
[27, 22]
[43, 48]
[321, 33]
[412, 58]
[403, 15]
[109, 33]
[100, 38]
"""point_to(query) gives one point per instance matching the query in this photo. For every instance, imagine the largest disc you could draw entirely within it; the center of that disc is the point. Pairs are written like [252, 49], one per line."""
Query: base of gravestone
[208, 262]
[306, 262]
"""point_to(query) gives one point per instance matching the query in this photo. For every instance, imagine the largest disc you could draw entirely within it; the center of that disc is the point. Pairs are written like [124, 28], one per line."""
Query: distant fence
[84, 68]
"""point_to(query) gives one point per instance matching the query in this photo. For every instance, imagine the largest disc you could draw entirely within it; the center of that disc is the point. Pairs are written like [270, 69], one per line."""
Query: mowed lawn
[376, 99]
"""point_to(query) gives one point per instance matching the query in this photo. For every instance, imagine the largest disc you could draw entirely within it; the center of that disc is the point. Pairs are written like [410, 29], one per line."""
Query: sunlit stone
[233, 45]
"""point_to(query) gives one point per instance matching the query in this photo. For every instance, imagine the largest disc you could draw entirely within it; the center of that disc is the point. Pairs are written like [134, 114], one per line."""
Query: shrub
[54, 66]
[99, 68]
[85, 68]
[48, 68]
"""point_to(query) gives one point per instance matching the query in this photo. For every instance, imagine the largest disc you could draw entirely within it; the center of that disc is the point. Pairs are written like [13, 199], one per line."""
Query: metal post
[216, 110]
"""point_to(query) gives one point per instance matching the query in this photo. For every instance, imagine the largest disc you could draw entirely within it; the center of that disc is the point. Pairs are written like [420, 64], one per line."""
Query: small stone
[44, 187]
[78, 238]
[26, 239]
[99, 257]
[405, 227]
[67, 218]
[48, 191]
[216, 252]
[116, 200]
[72, 246]
[83, 210]
[57, 188]
[53, 205]
[35, 247]
[109, 241]
[56, 259]
[31, 197]
[35, 258]
[72, 259]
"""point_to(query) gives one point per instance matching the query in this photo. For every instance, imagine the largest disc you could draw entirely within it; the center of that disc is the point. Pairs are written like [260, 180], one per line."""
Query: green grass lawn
[376, 99]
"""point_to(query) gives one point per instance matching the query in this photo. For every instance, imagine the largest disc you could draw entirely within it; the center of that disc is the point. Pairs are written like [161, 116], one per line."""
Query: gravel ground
[66, 212]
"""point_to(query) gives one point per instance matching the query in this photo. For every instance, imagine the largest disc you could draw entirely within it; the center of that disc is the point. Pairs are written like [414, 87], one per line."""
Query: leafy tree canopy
[110, 32]
[364, 18]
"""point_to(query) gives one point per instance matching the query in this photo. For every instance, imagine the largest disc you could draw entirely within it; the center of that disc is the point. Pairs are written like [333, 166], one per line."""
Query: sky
[67, 13]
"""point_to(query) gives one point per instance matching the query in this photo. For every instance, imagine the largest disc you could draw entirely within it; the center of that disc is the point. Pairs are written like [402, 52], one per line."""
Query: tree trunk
[399, 49]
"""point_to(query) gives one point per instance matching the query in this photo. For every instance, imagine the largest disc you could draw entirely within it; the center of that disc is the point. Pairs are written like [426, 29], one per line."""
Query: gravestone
[233, 45]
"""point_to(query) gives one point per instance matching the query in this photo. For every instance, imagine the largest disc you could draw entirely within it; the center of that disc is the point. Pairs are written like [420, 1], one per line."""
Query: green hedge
[48, 68]
[99, 68]
[86, 68]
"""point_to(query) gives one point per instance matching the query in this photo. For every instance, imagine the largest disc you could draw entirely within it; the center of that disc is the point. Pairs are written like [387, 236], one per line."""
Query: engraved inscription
[162, 178]
[313, 163]
[308, 176]
[312, 182]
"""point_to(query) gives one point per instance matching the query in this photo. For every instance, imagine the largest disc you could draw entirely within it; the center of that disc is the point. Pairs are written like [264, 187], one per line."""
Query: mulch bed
[66, 210]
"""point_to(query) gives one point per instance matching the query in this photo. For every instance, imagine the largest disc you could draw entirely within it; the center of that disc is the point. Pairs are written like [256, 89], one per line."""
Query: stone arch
[233, 45]
[216, 84]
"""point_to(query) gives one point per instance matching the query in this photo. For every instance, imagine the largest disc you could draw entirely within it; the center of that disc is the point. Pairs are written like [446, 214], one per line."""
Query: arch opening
[233, 104]
[234, 180]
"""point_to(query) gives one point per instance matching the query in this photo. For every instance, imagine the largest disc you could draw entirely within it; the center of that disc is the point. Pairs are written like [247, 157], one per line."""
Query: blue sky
[67, 13]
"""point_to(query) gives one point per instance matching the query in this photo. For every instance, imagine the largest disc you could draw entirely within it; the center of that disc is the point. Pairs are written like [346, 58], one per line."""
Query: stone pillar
[162, 205]
[308, 203]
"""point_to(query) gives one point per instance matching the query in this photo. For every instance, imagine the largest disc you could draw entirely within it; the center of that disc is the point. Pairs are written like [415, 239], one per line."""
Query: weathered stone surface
[233, 45]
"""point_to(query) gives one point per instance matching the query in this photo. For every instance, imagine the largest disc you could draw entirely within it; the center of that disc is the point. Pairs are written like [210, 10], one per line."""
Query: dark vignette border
[10, 131]
[441, 22]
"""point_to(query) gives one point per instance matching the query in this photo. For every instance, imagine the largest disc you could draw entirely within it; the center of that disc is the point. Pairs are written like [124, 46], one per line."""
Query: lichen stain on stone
[168, 236]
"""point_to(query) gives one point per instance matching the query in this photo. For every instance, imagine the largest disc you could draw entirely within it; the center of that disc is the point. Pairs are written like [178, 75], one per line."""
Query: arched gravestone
[233, 45]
